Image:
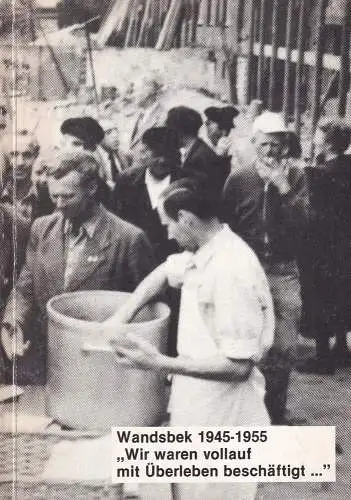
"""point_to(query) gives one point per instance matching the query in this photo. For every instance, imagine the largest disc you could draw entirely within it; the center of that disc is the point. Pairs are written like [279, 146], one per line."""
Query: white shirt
[155, 187]
[226, 308]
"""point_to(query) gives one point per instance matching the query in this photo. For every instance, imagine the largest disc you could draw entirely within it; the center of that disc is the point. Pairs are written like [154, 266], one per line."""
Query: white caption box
[223, 454]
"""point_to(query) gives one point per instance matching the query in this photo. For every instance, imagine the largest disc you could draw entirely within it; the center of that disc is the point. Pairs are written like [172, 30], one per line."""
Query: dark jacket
[203, 164]
[268, 221]
[326, 256]
[131, 202]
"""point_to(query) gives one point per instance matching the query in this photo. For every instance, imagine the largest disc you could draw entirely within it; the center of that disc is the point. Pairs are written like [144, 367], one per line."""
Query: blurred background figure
[20, 154]
[328, 261]
[219, 124]
[3, 115]
[198, 160]
[42, 203]
[115, 162]
[151, 112]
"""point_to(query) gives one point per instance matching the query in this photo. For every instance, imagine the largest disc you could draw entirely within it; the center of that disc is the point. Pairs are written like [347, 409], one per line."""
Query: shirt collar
[206, 252]
[88, 225]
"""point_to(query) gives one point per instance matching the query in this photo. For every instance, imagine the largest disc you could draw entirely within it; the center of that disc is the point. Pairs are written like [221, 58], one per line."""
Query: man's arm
[150, 288]
[145, 356]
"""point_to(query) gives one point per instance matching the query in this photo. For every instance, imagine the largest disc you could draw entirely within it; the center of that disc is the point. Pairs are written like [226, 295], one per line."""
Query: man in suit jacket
[81, 246]
[199, 161]
[114, 160]
[139, 188]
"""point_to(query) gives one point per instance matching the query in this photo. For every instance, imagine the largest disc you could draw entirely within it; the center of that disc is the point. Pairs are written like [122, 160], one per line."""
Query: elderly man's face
[21, 158]
[270, 147]
[69, 195]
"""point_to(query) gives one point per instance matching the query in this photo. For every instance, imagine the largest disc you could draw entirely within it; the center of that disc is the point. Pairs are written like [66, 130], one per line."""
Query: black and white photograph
[175, 241]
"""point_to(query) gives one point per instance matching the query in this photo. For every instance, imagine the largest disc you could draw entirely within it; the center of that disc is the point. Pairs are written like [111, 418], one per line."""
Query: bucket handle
[89, 348]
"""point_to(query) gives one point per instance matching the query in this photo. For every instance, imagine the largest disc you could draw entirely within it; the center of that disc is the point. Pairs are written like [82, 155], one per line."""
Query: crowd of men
[266, 236]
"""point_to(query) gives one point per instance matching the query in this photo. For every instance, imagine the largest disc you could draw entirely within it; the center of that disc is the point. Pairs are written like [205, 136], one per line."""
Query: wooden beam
[317, 80]
[344, 77]
[261, 51]
[251, 92]
[287, 71]
[275, 41]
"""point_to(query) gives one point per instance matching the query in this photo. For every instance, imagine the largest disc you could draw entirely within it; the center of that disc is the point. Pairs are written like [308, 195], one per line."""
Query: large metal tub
[89, 387]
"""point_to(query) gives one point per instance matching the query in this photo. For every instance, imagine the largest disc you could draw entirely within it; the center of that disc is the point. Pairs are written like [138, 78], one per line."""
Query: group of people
[233, 250]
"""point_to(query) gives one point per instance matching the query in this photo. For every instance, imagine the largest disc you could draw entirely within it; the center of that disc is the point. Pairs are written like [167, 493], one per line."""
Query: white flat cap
[269, 123]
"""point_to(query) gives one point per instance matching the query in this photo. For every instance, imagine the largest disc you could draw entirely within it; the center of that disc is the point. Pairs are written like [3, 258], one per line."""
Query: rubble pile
[134, 75]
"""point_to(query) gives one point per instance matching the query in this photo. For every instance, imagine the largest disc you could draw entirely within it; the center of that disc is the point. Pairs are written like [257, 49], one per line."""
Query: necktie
[114, 169]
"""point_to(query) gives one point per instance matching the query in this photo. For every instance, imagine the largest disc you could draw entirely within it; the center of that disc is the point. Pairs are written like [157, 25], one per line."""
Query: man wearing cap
[20, 155]
[219, 123]
[266, 204]
[199, 161]
[84, 133]
[81, 246]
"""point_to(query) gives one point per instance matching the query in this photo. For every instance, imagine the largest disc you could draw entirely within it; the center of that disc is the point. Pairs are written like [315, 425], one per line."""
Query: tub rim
[70, 321]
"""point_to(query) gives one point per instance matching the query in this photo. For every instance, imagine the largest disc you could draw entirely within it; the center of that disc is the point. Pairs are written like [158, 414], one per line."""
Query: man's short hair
[188, 194]
[84, 163]
[337, 134]
[184, 120]
[162, 141]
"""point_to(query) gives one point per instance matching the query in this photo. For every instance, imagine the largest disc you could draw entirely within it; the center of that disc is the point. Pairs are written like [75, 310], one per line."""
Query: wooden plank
[144, 23]
[251, 92]
[317, 79]
[345, 60]
[273, 64]
[131, 23]
[194, 22]
[166, 38]
[109, 23]
[287, 71]
[261, 54]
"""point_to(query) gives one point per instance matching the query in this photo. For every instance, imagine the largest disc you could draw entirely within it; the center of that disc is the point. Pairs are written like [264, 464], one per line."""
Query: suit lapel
[53, 259]
[93, 256]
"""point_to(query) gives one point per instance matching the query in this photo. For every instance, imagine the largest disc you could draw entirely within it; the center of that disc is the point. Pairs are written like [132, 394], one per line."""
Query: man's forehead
[276, 137]
[70, 180]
